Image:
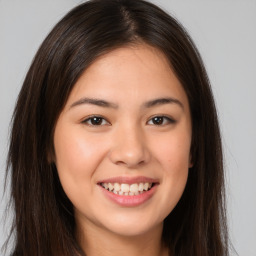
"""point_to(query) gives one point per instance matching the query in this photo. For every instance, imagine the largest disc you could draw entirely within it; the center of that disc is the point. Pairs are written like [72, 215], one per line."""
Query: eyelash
[100, 121]
[165, 120]
[88, 121]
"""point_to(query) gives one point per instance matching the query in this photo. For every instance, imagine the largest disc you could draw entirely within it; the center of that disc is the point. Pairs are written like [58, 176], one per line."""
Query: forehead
[138, 71]
[131, 57]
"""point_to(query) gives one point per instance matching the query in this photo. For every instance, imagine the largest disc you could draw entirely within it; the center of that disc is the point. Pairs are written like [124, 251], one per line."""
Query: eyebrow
[162, 101]
[97, 102]
[106, 104]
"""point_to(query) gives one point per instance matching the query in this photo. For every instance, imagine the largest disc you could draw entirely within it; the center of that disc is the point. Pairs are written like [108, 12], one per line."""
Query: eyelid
[88, 118]
[169, 119]
[166, 120]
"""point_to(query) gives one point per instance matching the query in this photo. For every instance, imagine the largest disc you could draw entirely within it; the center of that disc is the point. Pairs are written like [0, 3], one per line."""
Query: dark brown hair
[44, 222]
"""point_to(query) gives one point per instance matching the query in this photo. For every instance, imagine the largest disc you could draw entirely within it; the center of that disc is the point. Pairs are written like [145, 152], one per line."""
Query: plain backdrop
[225, 33]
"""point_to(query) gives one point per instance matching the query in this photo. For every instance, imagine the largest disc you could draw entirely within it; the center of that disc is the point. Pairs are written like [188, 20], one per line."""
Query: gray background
[225, 33]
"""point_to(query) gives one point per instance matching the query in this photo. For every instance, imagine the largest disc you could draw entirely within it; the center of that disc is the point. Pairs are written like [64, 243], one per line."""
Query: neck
[97, 241]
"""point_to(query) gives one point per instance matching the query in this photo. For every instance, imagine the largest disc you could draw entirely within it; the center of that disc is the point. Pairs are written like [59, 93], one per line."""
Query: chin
[130, 228]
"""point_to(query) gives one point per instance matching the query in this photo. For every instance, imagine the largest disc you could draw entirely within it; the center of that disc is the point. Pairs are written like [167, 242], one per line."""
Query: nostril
[129, 153]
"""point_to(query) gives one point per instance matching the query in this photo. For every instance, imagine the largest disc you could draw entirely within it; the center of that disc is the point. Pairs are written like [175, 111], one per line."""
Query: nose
[129, 148]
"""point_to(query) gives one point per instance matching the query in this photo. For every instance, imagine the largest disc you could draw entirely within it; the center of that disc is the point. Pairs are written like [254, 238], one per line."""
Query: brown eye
[160, 120]
[95, 121]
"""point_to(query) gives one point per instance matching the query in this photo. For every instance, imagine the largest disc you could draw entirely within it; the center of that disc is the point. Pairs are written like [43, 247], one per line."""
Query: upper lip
[129, 180]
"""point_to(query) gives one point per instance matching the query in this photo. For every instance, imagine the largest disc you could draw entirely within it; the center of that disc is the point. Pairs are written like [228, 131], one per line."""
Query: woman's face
[122, 142]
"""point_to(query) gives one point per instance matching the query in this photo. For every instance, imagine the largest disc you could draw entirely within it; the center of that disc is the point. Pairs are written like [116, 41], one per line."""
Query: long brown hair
[44, 222]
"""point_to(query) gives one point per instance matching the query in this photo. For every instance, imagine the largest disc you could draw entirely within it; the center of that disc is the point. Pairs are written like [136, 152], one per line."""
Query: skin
[127, 142]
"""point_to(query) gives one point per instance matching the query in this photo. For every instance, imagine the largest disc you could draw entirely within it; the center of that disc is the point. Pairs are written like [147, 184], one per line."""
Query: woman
[115, 146]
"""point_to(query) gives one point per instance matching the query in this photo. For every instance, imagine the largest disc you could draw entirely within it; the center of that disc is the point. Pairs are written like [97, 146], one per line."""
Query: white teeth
[146, 186]
[110, 187]
[126, 189]
[105, 185]
[141, 187]
[134, 188]
[116, 187]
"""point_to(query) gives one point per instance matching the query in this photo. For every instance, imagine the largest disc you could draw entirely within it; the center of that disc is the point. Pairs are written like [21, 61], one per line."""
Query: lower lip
[130, 201]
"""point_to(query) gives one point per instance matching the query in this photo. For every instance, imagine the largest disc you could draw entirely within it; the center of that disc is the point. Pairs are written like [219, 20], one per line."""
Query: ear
[51, 155]
[191, 164]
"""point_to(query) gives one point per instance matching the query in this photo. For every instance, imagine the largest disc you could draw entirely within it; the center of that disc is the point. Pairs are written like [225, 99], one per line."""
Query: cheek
[70, 152]
[174, 151]
[176, 162]
[76, 159]
[174, 158]
[74, 149]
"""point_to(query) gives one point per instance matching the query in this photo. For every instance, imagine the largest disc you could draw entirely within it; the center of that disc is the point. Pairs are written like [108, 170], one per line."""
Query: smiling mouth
[127, 189]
